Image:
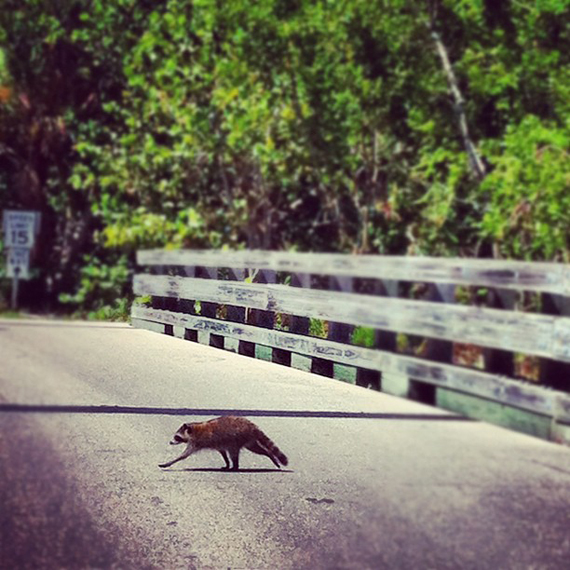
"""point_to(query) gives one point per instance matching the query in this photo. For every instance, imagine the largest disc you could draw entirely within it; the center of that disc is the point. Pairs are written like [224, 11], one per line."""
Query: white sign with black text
[18, 265]
[20, 228]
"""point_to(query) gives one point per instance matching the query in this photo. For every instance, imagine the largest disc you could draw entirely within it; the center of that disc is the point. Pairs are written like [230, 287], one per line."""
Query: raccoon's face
[182, 435]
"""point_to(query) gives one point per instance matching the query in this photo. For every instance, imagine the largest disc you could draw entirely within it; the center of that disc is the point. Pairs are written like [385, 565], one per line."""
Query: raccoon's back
[225, 431]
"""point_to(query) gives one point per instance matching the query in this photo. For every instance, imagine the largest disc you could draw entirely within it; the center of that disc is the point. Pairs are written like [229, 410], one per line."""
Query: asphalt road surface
[87, 410]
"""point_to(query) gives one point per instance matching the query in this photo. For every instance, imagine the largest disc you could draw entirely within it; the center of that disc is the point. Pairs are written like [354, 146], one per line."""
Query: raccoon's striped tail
[270, 449]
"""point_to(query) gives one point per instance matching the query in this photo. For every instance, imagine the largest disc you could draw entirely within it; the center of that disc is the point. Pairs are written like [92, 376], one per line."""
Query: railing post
[552, 372]
[300, 325]
[207, 309]
[263, 319]
[389, 382]
[342, 332]
[386, 340]
[259, 317]
[234, 314]
[496, 360]
[435, 350]
[157, 302]
[186, 306]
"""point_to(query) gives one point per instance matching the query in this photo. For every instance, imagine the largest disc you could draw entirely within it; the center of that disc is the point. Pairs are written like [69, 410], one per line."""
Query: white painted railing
[265, 304]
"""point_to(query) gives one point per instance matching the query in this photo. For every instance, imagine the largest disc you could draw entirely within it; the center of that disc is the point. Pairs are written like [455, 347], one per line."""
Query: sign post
[14, 304]
[20, 231]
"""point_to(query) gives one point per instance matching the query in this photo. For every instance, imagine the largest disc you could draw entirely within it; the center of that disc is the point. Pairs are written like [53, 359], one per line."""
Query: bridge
[373, 481]
[487, 338]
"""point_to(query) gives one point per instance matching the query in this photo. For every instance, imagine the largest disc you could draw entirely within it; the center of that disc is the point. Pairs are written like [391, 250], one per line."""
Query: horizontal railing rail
[524, 332]
[543, 277]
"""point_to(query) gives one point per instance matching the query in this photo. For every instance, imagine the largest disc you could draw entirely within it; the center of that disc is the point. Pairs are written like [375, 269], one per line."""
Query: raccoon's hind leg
[234, 454]
[225, 456]
[257, 448]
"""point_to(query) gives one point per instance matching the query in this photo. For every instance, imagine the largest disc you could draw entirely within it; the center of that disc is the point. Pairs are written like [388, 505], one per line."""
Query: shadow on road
[219, 470]
[68, 409]
[67, 324]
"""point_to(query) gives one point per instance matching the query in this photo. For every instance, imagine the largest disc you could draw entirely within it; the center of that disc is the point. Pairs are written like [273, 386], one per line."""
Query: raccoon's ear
[187, 428]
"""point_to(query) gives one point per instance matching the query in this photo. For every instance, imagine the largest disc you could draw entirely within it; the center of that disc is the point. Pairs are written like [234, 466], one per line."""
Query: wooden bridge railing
[488, 338]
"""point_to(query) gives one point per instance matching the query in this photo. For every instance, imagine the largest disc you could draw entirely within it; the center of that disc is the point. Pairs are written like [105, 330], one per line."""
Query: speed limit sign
[20, 228]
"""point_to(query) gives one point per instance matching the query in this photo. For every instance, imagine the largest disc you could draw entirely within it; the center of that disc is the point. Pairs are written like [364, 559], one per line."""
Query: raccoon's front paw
[163, 465]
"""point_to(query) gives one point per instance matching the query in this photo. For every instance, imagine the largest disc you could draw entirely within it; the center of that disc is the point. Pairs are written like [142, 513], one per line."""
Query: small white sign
[18, 259]
[20, 228]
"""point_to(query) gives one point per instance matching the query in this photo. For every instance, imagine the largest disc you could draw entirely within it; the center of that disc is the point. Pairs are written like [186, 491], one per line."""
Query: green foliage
[281, 322]
[363, 336]
[103, 292]
[143, 300]
[529, 192]
[313, 125]
[318, 328]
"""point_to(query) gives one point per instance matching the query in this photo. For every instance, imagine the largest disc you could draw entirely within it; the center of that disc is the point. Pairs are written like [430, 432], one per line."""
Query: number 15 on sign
[20, 228]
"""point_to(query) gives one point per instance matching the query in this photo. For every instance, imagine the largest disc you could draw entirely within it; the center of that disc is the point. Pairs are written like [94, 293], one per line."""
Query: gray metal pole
[15, 281]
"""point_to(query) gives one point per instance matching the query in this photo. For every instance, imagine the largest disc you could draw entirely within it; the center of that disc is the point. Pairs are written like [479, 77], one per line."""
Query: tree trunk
[477, 166]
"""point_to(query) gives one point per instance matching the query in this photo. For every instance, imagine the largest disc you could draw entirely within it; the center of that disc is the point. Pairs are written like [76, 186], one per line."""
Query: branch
[477, 165]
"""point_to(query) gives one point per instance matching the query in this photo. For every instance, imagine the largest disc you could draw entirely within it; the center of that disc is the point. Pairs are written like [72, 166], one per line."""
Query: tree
[419, 127]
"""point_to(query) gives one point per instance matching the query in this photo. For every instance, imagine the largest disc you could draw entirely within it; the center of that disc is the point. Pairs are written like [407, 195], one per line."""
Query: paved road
[409, 488]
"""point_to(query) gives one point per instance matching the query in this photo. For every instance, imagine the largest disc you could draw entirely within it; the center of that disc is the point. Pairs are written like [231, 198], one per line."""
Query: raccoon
[227, 435]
